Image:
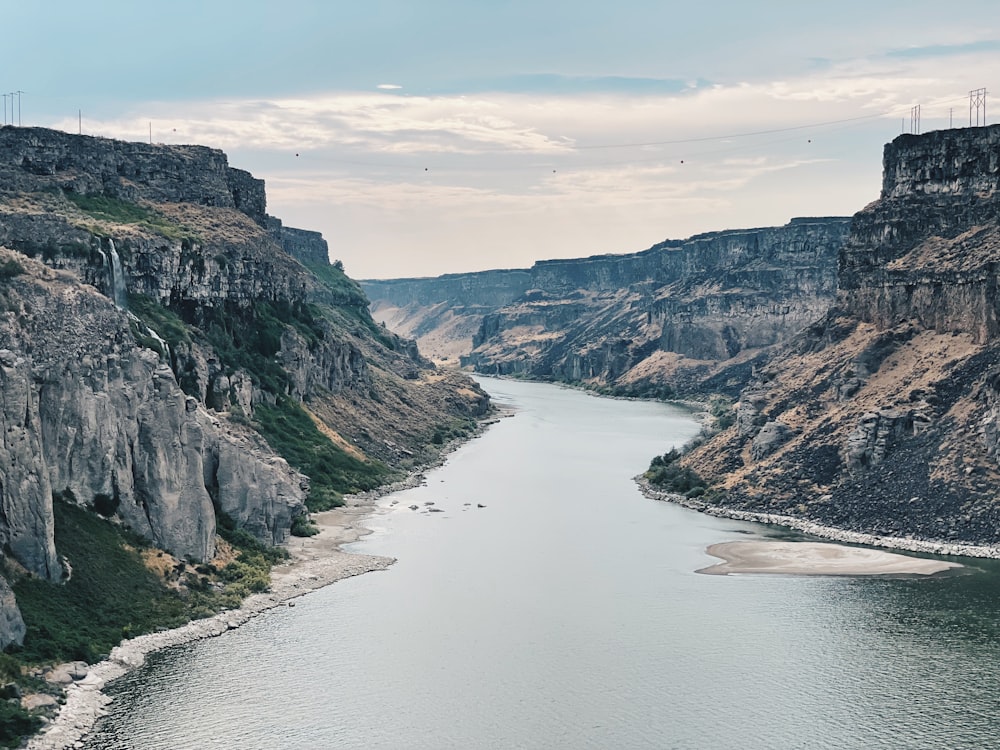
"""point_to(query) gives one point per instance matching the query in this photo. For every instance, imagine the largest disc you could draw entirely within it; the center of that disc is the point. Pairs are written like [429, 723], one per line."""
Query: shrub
[165, 322]
[304, 526]
[722, 409]
[332, 471]
[9, 269]
[106, 505]
[666, 472]
[16, 723]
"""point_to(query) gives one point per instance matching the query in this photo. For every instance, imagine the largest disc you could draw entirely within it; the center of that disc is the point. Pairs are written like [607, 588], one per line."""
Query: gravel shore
[315, 562]
[956, 549]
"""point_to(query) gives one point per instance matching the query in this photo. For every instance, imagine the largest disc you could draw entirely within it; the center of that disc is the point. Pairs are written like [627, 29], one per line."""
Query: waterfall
[151, 332]
[164, 346]
[117, 278]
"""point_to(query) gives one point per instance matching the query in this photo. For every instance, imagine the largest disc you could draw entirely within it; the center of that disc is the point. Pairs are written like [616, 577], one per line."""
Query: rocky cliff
[668, 315]
[881, 417]
[174, 358]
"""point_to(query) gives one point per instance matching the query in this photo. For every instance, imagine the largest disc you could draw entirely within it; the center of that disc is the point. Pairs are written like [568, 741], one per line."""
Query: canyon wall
[887, 406]
[610, 319]
[172, 357]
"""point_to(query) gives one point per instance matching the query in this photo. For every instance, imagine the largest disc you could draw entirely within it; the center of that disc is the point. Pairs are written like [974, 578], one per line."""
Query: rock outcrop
[666, 315]
[163, 340]
[12, 628]
[105, 416]
[892, 395]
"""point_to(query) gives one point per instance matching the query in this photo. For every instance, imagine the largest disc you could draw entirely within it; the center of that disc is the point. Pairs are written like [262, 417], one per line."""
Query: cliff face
[164, 342]
[886, 407]
[668, 314]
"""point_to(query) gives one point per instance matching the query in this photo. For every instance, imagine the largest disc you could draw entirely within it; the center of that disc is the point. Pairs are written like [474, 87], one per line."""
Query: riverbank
[817, 559]
[953, 549]
[315, 562]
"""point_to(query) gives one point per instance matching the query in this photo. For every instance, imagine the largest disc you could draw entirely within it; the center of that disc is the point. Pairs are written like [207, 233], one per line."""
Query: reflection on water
[566, 614]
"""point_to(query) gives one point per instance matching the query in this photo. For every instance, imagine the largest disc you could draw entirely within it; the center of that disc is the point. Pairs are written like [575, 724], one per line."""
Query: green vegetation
[459, 427]
[49, 250]
[666, 473]
[15, 724]
[346, 290]
[112, 594]
[657, 391]
[114, 210]
[722, 409]
[332, 472]
[351, 301]
[165, 322]
[106, 505]
[304, 526]
[250, 338]
[10, 269]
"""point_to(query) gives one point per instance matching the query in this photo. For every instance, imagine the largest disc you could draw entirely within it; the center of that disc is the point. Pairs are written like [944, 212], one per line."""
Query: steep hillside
[176, 360]
[882, 417]
[664, 319]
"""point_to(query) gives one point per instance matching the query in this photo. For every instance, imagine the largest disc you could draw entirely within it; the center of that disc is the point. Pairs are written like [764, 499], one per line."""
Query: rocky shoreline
[316, 562]
[812, 528]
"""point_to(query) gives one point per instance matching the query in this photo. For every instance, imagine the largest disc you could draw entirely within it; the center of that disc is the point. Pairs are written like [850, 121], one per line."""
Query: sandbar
[817, 559]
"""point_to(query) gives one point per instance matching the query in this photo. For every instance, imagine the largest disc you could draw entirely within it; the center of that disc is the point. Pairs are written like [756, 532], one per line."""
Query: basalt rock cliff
[882, 416]
[670, 317]
[175, 358]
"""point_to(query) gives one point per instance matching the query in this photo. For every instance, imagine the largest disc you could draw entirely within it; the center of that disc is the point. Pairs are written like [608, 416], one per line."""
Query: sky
[436, 136]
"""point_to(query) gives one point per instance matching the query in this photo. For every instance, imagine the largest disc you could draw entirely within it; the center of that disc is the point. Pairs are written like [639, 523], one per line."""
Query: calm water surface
[567, 614]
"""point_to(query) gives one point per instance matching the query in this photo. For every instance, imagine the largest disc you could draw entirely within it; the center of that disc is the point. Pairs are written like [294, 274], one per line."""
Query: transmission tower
[915, 120]
[977, 104]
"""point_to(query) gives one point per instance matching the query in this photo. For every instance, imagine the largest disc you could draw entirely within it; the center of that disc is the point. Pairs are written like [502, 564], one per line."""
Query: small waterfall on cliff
[143, 327]
[164, 346]
[117, 278]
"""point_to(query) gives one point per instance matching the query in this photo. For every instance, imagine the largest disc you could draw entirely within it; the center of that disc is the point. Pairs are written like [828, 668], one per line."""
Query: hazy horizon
[440, 137]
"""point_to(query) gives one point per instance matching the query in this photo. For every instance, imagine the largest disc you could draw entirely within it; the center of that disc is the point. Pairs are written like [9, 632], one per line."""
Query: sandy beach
[816, 559]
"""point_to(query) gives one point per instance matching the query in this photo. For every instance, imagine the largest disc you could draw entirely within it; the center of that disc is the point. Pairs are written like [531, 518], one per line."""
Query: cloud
[404, 184]
[946, 50]
[388, 86]
[555, 83]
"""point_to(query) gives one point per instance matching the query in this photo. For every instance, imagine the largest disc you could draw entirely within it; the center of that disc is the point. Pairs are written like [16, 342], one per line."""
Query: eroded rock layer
[666, 315]
[887, 406]
[174, 358]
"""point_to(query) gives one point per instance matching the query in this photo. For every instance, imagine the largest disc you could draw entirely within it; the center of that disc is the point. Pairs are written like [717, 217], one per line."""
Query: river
[567, 613]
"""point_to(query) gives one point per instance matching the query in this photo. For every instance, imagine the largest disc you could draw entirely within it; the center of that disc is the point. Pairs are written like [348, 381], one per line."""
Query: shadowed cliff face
[610, 320]
[164, 343]
[887, 407]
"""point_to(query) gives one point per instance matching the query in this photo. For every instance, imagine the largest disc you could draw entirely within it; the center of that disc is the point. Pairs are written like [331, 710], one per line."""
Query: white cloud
[521, 177]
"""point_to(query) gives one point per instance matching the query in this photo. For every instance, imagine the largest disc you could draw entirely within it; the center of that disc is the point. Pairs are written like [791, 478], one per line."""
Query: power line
[748, 134]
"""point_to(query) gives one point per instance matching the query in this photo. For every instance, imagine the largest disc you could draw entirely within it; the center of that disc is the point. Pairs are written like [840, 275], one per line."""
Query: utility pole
[915, 120]
[4, 108]
[977, 103]
[951, 117]
[79, 115]
[18, 92]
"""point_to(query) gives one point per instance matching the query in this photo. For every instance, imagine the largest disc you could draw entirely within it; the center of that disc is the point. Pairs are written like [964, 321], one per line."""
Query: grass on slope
[115, 211]
[332, 472]
[113, 595]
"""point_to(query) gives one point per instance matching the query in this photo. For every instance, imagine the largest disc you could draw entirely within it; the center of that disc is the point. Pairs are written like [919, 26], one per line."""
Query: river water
[566, 613]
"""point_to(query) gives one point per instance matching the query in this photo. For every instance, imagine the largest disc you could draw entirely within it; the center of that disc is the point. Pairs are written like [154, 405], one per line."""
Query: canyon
[856, 357]
[174, 359]
[663, 320]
